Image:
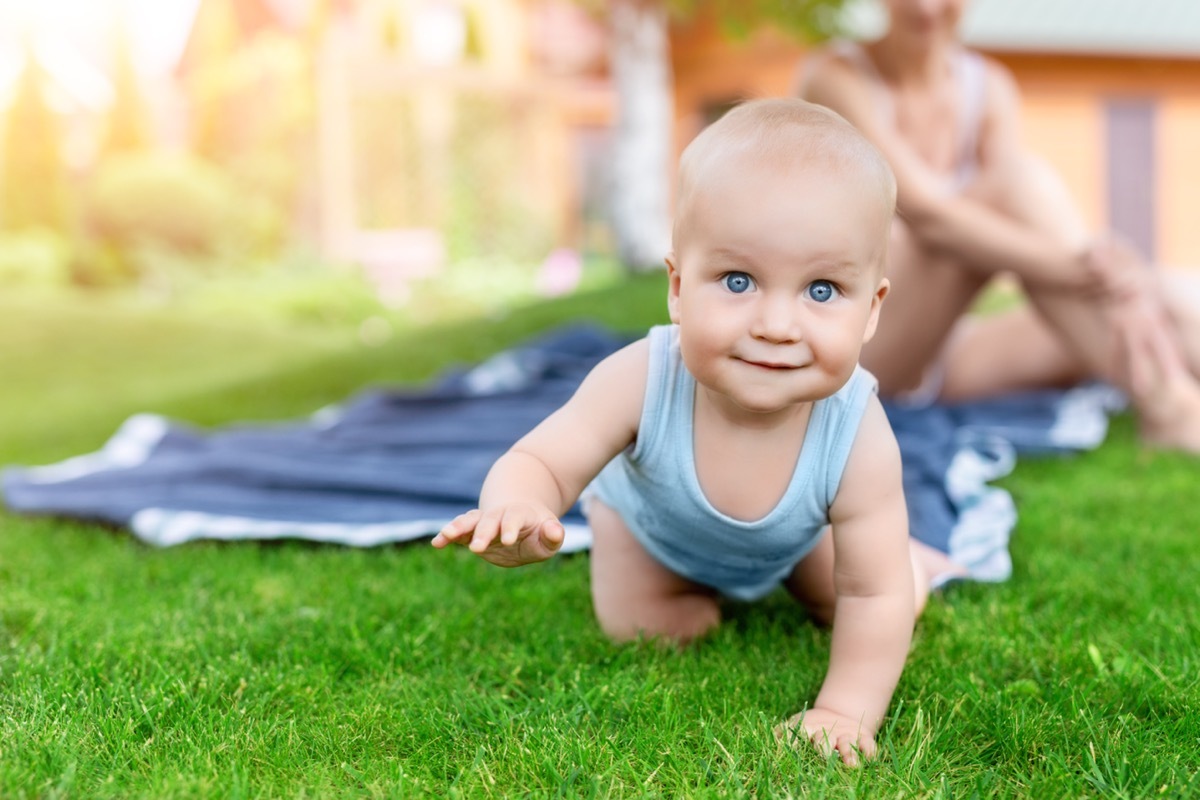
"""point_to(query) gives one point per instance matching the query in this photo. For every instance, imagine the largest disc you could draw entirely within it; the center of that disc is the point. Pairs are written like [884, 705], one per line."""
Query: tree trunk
[641, 195]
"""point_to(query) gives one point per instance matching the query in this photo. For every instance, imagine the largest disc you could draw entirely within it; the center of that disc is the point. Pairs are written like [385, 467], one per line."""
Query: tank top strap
[663, 390]
[841, 416]
[972, 83]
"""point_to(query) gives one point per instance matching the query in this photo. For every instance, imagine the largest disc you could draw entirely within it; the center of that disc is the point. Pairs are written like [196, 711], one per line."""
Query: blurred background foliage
[330, 161]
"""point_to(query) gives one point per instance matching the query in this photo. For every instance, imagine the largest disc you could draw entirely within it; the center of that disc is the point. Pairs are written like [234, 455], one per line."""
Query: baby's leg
[811, 582]
[636, 596]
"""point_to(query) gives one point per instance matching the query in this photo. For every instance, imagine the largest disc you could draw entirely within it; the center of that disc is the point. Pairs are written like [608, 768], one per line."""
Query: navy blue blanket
[395, 464]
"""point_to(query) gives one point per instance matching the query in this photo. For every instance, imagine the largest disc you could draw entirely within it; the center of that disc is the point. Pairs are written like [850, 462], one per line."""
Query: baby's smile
[769, 364]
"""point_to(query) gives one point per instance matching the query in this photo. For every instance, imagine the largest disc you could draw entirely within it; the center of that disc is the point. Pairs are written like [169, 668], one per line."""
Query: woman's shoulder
[994, 70]
[836, 57]
[832, 69]
[1000, 89]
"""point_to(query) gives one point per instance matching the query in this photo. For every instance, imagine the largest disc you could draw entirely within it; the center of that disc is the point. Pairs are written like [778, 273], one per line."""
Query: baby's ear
[672, 288]
[881, 292]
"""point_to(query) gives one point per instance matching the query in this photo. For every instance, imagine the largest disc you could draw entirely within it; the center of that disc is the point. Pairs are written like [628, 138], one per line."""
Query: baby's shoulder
[617, 385]
[874, 459]
[633, 357]
[873, 469]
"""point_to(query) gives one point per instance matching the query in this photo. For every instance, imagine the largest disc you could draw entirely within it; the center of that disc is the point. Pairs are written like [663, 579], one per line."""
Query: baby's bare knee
[822, 613]
[674, 621]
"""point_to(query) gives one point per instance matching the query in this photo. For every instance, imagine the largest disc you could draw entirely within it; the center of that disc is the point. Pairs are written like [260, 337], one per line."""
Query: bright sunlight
[156, 29]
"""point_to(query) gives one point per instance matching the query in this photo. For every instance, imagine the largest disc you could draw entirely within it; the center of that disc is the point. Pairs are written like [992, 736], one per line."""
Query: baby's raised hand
[507, 536]
[829, 732]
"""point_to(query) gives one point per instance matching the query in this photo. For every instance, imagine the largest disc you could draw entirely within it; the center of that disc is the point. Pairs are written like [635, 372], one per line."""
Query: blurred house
[1111, 97]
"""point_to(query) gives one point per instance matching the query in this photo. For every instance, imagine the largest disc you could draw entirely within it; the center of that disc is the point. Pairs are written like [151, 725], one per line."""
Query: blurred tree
[213, 44]
[641, 68]
[128, 129]
[32, 177]
[247, 73]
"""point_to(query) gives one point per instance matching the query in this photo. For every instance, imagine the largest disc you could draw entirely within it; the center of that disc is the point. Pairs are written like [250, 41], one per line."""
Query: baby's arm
[873, 579]
[541, 476]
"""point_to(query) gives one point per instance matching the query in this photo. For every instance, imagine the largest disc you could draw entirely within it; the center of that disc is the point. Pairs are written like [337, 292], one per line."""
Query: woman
[973, 204]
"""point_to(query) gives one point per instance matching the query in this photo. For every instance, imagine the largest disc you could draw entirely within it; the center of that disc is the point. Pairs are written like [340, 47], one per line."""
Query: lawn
[293, 670]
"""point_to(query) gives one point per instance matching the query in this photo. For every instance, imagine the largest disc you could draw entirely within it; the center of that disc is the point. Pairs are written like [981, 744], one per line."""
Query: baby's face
[776, 282]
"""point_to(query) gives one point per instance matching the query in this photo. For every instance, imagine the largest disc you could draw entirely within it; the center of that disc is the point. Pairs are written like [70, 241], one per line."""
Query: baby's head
[783, 216]
[784, 137]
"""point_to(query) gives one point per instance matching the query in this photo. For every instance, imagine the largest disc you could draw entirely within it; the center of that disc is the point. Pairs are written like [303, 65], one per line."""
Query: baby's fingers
[458, 530]
[846, 750]
[844, 743]
[486, 531]
[552, 533]
[853, 748]
[517, 521]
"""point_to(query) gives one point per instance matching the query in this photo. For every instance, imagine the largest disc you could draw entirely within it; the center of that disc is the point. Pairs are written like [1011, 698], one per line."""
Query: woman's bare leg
[924, 327]
[928, 297]
[1006, 352]
[634, 595]
[1099, 338]
[1181, 293]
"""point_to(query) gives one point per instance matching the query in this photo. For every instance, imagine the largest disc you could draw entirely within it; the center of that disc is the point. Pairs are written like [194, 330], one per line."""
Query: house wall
[1063, 101]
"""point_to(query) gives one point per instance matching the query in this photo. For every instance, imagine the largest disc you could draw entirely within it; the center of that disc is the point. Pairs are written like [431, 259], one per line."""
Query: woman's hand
[1115, 270]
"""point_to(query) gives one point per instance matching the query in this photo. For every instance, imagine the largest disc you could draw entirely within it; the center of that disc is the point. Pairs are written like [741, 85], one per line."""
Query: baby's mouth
[772, 365]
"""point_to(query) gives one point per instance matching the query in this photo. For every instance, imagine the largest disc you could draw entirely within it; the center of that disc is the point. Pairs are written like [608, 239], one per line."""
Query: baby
[742, 447]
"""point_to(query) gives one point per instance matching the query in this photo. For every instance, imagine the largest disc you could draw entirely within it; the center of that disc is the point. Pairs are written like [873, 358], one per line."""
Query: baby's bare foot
[937, 567]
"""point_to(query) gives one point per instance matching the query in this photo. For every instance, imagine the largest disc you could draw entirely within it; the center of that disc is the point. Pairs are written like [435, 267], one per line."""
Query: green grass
[293, 670]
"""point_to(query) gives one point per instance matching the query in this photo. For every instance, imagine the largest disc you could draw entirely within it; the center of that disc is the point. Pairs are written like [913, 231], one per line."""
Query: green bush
[36, 257]
[163, 216]
[300, 288]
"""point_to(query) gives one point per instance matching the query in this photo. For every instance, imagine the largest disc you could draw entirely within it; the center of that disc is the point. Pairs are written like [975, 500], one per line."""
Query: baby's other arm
[541, 476]
[873, 580]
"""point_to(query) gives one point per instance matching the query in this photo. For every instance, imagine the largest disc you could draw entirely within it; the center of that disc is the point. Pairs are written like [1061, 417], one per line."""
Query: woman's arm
[971, 232]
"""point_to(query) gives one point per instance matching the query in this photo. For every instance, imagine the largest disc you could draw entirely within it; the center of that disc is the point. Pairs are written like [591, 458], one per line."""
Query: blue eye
[738, 282]
[822, 291]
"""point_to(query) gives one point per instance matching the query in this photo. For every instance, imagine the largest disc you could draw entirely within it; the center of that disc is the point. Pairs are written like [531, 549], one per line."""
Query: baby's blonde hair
[788, 132]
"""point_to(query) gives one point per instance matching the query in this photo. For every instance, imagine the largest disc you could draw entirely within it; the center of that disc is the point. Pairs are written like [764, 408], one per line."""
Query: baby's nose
[778, 320]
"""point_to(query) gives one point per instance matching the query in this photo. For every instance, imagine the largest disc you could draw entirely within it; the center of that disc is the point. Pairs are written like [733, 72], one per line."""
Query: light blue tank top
[654, 487]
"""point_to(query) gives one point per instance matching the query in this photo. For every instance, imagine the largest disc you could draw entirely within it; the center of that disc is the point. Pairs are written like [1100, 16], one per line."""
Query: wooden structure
[426, 107]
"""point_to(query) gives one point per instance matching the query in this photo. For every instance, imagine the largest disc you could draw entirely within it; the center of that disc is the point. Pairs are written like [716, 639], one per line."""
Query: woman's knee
[1026, 189]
